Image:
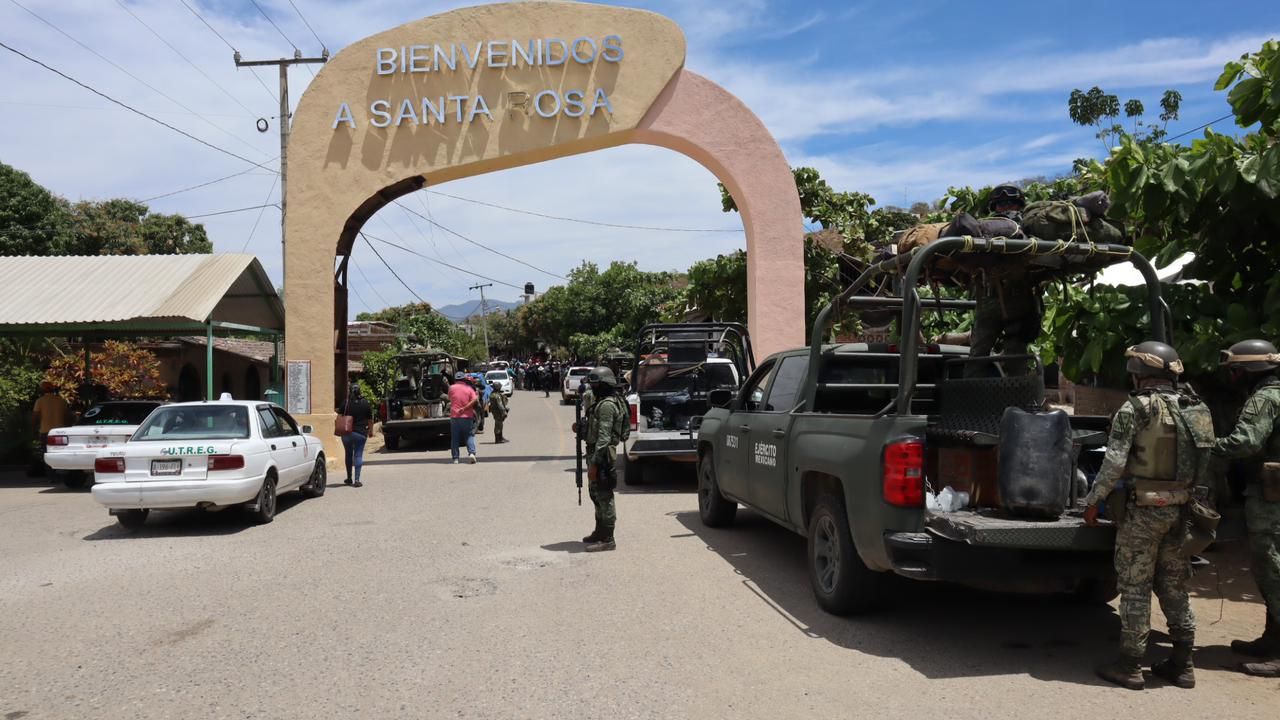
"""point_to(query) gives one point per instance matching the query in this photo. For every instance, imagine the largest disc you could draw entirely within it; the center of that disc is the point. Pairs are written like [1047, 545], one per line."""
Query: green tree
[33, 221]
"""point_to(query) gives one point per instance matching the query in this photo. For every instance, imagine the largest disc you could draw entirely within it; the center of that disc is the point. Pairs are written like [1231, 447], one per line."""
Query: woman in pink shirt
[462, 417]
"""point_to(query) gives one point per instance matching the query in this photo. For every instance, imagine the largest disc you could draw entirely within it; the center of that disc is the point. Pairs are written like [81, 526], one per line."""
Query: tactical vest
[1173, 434]
[621, 423]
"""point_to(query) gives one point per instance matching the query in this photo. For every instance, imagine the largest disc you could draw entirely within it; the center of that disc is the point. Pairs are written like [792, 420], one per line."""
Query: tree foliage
[125, 370]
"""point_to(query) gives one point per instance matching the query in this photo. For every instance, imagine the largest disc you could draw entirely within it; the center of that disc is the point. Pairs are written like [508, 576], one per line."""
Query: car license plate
[166, 467]
[96, 444]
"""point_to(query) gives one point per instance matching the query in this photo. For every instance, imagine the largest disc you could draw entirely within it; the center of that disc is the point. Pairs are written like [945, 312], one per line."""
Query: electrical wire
[274, 25]
[231, 212]
[112, 63]
[304, 22]
[460, 236]
[136, 111]
[372, 287]
[254, 230]
[214, 30]
[185, 59]
[578, 220]
[207, 184]
[1211, 122]
[424, 200]
[411, 251]
[393, 270]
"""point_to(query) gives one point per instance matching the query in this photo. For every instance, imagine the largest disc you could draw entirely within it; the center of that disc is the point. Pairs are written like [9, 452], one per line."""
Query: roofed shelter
[139, 295]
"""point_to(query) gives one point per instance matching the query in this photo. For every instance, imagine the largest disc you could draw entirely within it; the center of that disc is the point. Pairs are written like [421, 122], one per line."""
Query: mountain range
[462, 311]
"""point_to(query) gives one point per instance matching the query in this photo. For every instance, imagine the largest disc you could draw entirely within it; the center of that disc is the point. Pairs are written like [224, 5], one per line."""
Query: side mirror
[720, 398]
[307, 429]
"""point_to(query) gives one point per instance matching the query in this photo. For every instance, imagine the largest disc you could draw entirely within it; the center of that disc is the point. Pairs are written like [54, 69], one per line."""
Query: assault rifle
[578, 431]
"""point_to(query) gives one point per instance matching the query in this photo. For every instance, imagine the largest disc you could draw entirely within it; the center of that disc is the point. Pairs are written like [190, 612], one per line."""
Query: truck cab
[852, 444]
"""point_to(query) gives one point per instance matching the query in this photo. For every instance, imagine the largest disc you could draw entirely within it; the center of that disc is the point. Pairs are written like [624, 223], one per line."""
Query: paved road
[461, 591]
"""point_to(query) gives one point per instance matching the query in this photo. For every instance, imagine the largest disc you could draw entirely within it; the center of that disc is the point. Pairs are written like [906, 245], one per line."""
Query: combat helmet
[602, 375]
[1006, 194]
[1153, 359]
[1251, 356]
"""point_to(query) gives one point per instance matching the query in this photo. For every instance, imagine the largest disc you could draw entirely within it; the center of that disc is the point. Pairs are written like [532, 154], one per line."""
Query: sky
[899, 100]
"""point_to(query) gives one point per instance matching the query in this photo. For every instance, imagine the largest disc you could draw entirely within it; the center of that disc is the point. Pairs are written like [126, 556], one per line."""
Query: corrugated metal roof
[137, 291]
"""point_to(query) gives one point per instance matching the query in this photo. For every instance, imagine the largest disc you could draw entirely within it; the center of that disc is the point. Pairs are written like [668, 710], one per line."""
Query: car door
[281, 455]
[732, 469]
[292, 434]
[767, 472]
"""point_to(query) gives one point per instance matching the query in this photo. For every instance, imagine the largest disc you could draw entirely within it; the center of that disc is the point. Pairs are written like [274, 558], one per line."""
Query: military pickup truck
[845, 444]
[675, 368]
[417, 406]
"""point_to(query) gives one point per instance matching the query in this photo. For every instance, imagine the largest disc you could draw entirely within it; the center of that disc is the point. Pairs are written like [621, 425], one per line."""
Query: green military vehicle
[417, 406]
[852, 445]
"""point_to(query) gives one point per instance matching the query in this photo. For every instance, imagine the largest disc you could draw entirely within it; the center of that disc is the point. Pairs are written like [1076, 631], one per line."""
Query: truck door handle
[744, 428]
[273, 447]
[779, 433]
[295, 443]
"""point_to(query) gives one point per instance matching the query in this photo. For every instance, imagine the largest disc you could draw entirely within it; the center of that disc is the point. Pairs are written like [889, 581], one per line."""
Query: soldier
[607, 425]
[499, 410]
[1008, 301]
[1159, 446]
[1253, 363]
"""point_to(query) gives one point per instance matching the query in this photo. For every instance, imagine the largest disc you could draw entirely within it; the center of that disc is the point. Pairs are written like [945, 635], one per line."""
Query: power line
[372, 287]
[1211, 122]
[155, 120]
[393, 270]
[460, 236]
[304, 22]
[203, 184]
[185, 59]
[231, 212]
[115, 65]
[254, 230]
[229, 45]
[411, 251]
[274, 25]
[579, 220]
[424, 200]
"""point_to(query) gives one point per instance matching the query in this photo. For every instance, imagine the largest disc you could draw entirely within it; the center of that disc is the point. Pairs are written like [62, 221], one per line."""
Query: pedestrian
[607, 426]
[499, 409]
[462, 417]
[361, 428]
[1159, 449]
[1252, 364]
[50, 411]
[485, 390]
[547, 379]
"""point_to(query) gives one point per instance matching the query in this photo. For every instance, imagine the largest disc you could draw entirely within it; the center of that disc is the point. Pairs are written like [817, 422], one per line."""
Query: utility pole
[484, 320]
[283, 64]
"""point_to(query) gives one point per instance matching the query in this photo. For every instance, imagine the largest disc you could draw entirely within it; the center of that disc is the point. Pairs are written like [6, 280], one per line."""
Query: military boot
[595, 535]
[603, 542]
[1125, 671]
[1177, 668]
[1267, 646]
[1269, 669]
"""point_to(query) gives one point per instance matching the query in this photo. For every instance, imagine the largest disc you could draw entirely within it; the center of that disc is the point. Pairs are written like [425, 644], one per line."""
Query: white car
[71, 450]
[569, 390]
[500, 380]
[209, 455]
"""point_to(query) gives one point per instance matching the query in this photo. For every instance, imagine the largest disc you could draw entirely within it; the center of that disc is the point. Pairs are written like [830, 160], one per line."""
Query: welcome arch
[486, 88]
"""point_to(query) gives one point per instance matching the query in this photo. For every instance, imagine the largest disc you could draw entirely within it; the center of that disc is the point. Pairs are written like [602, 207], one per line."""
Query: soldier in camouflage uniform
[607, 425]
[1159, 447]
[1008, 308]
[1253, 363]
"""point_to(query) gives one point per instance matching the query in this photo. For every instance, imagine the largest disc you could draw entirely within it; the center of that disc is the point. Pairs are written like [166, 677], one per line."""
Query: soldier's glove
[1091, 516]
[593, 472]
[575, 428]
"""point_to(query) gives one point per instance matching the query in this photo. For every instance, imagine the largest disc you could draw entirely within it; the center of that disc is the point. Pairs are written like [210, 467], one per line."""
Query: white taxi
[72, 450]
[209, 455]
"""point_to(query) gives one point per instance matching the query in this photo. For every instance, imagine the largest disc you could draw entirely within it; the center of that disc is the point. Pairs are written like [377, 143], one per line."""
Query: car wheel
[319, 481]
[714, 509]
[266, 502]
[391, 440]
[77, 479]
[841, 582]
[132, 519]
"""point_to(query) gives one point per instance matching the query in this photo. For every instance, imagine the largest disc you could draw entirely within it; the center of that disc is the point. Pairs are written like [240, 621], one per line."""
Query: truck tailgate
[994, 528]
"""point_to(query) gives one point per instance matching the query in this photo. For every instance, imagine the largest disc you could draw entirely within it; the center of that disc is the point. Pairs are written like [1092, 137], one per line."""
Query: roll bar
[914, 262]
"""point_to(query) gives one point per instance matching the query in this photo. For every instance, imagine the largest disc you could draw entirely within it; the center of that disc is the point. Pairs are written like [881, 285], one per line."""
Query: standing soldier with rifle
[607, 424]
[1253, 364]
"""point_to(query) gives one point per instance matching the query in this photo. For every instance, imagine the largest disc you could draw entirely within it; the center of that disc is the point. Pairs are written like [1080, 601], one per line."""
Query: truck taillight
[382, 410]
[634, 411]
[108, 465]
[903, 473]
[226, 462]
[57, 440]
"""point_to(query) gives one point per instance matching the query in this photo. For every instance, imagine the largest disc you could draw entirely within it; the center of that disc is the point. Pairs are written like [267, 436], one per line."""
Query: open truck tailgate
[994, 528]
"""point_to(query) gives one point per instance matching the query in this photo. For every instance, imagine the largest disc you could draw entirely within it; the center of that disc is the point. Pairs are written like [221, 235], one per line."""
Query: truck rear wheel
[842, 584]
[390, 440]
[714, 508]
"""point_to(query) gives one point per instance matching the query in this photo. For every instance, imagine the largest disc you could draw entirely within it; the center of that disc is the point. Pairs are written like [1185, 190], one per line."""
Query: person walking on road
[361, 428]
[1253, 364]
[498, 409]
[1159, 447]
[607, 425]
[462, 417]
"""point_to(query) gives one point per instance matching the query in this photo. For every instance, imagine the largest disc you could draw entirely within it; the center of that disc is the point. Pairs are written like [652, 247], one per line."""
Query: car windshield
[497, 375]
[117, 413]
[575, 372]
[196, 422]
[667, 377]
